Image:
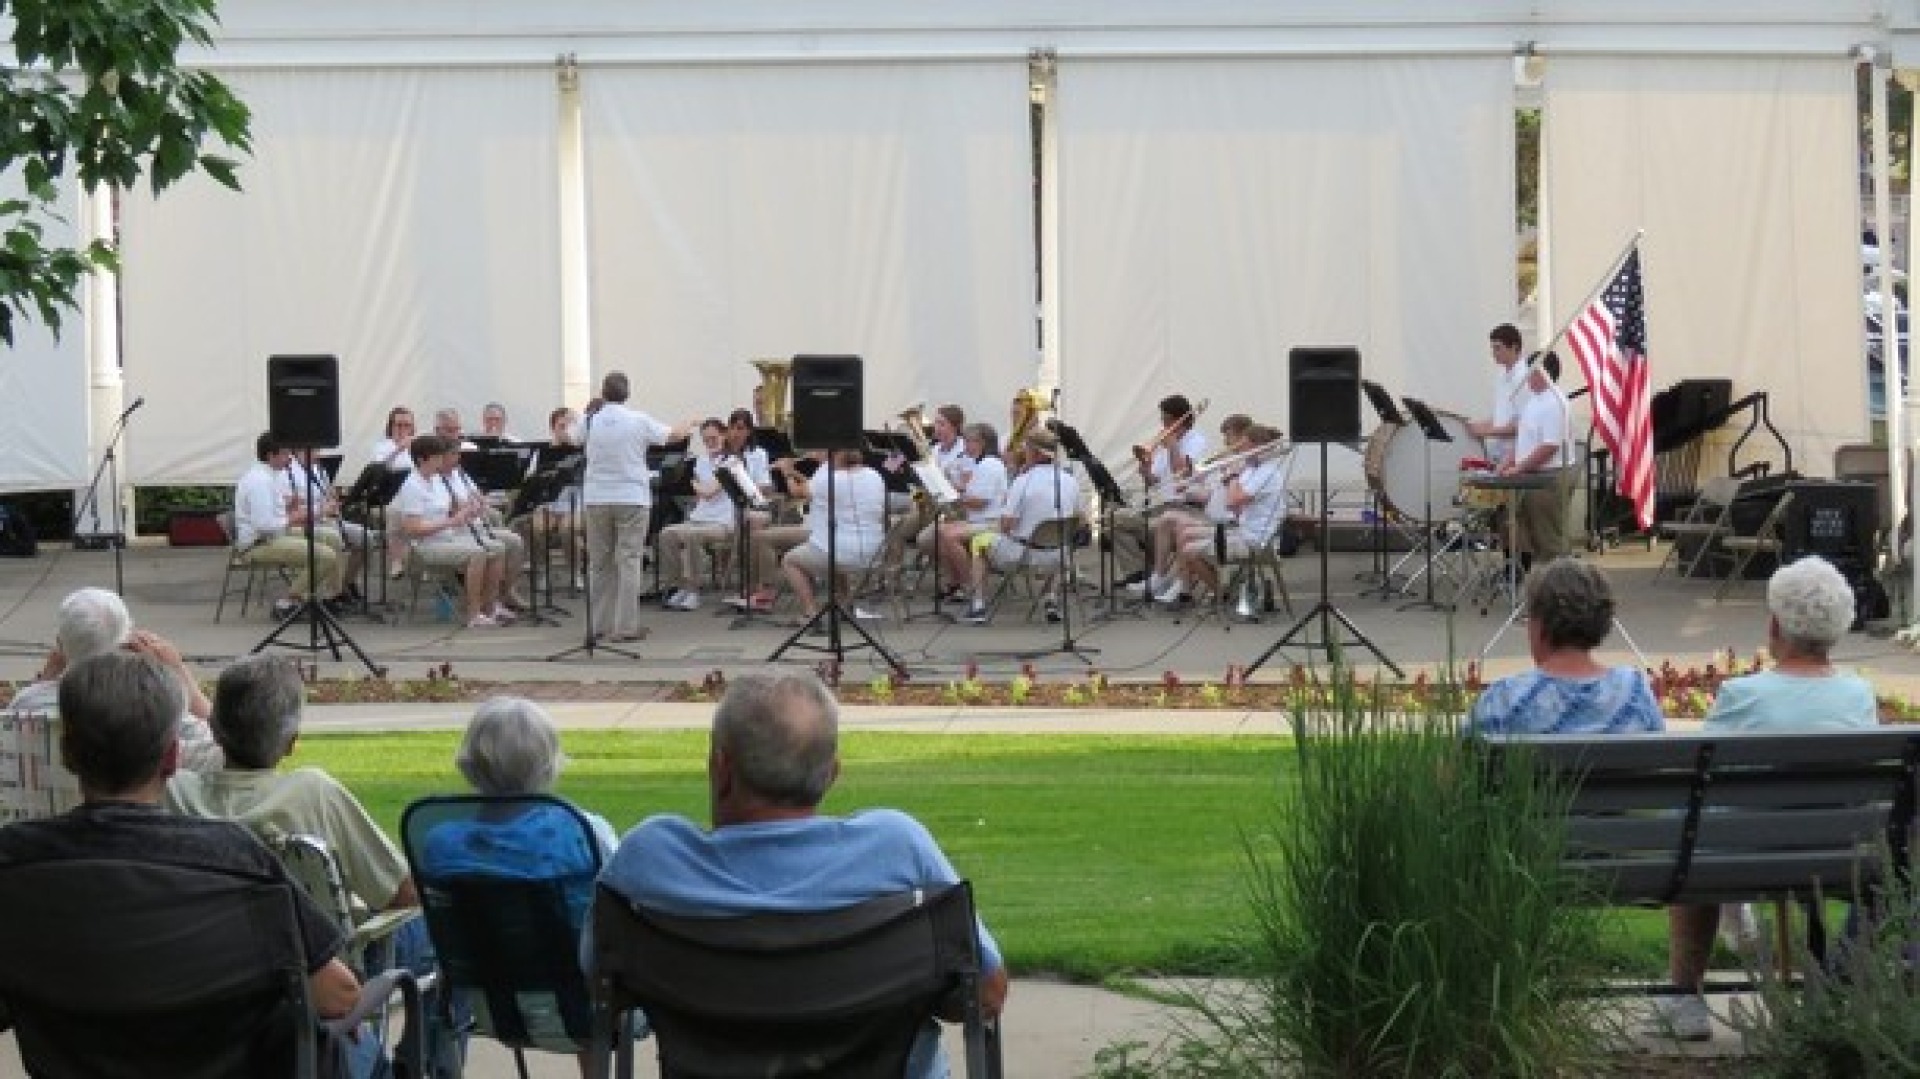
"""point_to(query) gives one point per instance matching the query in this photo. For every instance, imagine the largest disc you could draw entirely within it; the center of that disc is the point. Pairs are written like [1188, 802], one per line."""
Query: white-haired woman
[1809, 609]
[92, 622]
[512, 747]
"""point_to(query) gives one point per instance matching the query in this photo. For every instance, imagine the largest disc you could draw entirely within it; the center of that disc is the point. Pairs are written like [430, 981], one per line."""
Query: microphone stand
[90, 505]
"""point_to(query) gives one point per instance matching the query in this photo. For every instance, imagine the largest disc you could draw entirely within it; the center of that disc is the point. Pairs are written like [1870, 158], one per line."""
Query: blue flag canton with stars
[1629, 307]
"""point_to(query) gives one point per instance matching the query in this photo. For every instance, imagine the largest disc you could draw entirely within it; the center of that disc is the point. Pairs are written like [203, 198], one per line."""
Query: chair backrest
[1052, 533]
[843, 993]
[506, 883]
[1657, 818]
[312, 865]
[1770, 528]
[33, 782]
[117, 968]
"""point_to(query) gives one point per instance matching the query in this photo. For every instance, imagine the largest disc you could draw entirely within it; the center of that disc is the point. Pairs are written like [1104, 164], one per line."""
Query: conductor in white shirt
[1540, 445]
[616, 492]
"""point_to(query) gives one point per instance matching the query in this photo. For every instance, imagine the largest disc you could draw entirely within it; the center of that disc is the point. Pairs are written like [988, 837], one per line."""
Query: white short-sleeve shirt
[617, 441]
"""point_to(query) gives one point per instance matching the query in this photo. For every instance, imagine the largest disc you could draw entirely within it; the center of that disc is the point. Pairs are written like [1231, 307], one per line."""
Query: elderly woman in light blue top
[1569, 609]
[1810, 607]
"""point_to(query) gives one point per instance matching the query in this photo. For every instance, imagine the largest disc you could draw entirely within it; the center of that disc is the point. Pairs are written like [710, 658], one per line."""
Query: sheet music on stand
[739, 486]
[33, 783]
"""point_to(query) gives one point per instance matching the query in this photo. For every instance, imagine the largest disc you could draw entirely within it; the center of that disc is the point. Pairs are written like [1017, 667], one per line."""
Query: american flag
[1610, 341]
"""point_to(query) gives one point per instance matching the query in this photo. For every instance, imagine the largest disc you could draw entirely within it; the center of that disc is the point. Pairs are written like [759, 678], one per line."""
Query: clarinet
[472, 526]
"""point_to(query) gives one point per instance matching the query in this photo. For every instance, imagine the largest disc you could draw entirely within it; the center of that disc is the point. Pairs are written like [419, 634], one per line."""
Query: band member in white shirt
[394, 445]
[1509, 391]
[1042, 492]
[1541, 445]
[493, 422]
[980, 500]
[446, 424]
[447, 532]
[951, 458]
[709, 525]
[1179, 447]
[858, 518]
[269, 528]
[487, 519]
[1256, 498]
[617, 497]
[1197, 507]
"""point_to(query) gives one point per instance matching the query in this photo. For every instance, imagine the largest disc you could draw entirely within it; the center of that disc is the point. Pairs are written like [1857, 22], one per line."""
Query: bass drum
[1405, 475]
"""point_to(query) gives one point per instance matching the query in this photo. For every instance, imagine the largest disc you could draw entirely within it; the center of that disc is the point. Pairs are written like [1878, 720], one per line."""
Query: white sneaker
[1683, 1018]
[864, 615]
[1149, 587]
[687, 600]
[481, 621]
[501, 615]
[1173, 593]
[976, 614]
[672, 600]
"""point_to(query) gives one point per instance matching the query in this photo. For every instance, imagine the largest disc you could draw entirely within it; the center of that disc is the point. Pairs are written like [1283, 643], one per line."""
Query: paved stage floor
[172, 591]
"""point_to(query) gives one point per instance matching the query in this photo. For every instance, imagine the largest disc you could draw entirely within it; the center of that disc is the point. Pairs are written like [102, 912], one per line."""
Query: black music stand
[372, 491]
[1324, 610]
[496, 468]
[1067, 580]
[743, 499]
[1379, 573]
[1431, 427]
[539, 491]
[1111, 498]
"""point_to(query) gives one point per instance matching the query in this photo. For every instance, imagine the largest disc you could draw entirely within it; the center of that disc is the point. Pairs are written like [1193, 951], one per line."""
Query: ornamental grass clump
[1410, 917]
[1858, 1017]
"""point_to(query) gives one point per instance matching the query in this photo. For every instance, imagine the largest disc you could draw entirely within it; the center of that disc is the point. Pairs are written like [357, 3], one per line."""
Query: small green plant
[1212, 696]
[1859, 1015]
[1019, 690]
[881, 687]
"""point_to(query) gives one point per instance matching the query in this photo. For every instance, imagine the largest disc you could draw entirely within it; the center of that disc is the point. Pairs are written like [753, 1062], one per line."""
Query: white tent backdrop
[43, 382]
[1215, 214]
[1742, 171]
[880, 210]
[406, 221]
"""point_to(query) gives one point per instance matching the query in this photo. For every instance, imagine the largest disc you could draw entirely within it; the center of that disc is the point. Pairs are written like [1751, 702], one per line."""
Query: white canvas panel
[403, 220]
[43, 379]
[1216, 213]
[879, 210]
[1743, 172]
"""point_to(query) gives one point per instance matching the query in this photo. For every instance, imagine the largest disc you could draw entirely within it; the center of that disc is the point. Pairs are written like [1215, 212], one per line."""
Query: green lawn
[1090, 855]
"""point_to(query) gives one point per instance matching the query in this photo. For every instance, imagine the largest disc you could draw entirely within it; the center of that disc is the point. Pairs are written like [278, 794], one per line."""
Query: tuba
[1030, 407]
[770, 397]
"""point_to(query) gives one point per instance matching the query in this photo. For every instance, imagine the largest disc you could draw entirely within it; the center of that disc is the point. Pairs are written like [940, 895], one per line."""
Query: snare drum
[1408, 475]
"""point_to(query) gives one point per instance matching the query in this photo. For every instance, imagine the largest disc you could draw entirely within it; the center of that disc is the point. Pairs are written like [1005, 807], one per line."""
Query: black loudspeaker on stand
[827, 403]
[304, 414]
[1325, 407]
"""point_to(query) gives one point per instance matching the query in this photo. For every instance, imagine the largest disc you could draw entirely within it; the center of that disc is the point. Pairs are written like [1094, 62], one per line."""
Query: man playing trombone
[1198, 508]
[1162, 460]
[1255, 495]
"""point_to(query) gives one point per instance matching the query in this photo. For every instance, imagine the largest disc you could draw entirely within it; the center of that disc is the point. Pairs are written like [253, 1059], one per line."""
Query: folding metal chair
[1708, 521]
[843, 993]
[1045, 553]
[1737, 551]
[506, 883]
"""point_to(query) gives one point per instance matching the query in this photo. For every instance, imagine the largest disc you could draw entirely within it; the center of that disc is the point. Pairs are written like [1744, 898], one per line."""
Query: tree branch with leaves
[97, 92]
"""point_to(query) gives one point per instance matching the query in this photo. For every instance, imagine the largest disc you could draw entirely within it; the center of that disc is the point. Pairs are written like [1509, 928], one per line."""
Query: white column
[576, 317]
[1879, 72]
[100, 315]
[1047, 368]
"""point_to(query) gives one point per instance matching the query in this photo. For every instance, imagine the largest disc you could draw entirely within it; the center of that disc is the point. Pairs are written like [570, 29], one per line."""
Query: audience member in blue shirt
[774, 755]
[1809, 609]
[1569, 609]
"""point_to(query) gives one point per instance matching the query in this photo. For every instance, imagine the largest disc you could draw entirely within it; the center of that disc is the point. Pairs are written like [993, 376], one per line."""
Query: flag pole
[1613, 270]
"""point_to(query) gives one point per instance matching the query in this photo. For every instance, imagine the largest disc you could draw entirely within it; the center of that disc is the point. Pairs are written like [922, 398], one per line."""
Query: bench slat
[1725, 878]
[1827, 828]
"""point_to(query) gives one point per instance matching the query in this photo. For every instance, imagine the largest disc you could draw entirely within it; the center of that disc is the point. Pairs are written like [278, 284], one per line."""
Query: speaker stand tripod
[1324, 611]
[323, 630]
[831, 615]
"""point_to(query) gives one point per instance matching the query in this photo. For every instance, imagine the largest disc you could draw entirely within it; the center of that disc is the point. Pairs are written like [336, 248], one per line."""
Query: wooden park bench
[1659, 819]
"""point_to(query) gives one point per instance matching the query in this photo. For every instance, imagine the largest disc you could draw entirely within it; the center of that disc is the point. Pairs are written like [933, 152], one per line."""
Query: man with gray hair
[617, 493]
[94, 622]
[256, 719]
[119, 712]
[774, 754]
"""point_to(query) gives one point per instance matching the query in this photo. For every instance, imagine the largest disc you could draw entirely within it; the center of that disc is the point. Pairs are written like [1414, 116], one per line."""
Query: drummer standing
[1509, 392]
[1540, 445]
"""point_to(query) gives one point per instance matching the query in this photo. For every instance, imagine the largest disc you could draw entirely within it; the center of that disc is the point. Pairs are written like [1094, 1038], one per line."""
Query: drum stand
[1429, 426]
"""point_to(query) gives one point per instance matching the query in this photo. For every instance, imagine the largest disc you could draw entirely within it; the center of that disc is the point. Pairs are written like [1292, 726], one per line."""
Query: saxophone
[770, 397]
